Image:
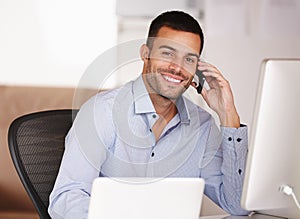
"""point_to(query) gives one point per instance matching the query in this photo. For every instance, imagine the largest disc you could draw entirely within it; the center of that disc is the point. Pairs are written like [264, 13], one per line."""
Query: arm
[85, 152]
[224, 172]
[71, 193]
[219, 97]
[223, 168]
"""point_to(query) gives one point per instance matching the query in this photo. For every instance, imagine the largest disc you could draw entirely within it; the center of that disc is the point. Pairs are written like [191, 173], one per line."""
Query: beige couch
[16, 101]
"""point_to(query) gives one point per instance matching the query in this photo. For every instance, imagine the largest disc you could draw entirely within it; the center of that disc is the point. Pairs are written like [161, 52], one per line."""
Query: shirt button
[240, 171]
[229, 139]
[239, 139]
[154, 116]
[152, 154]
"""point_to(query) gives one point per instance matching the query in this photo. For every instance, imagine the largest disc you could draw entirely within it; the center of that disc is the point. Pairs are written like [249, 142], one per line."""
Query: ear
[194, 83]
[144, 52]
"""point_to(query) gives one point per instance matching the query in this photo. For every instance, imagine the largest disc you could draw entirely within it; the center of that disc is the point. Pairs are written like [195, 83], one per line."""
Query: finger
[211, 82]
[204, 94]
[213, 75]
[205, 65]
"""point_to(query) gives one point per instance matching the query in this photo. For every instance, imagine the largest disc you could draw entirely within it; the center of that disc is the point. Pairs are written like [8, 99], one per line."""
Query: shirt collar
[143, 103]
[141, 98]
[183, 110]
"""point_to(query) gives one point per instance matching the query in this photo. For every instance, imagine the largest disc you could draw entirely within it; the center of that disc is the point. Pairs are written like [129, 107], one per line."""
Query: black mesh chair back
[36, 144]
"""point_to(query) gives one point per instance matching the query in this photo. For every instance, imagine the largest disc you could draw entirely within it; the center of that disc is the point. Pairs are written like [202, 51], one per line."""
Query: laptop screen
[147, 198]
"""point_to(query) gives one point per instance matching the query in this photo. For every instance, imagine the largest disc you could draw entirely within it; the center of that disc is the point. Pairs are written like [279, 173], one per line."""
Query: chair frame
[16, 158]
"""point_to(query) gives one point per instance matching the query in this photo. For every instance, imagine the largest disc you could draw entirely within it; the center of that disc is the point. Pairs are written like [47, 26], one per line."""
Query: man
[148, 129]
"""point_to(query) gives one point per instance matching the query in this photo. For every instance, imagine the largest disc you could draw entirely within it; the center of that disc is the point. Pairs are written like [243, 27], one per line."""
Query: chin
[172, 94]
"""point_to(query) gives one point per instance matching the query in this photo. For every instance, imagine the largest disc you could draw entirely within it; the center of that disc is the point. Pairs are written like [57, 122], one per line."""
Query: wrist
[230, 119]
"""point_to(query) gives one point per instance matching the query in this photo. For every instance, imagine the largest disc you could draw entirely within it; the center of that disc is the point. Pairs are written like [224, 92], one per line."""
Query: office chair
[36, 144]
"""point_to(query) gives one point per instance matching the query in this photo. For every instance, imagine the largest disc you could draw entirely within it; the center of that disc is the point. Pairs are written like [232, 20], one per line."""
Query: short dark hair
[177, 20]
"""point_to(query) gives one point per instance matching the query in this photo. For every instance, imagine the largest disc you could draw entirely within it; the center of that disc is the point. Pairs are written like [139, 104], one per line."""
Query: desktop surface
[253, 216]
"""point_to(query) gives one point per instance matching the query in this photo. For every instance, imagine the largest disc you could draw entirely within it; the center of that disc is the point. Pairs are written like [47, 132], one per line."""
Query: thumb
[204, 94]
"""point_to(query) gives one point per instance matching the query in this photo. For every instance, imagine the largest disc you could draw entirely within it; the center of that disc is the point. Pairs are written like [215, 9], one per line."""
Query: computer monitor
[274, 144]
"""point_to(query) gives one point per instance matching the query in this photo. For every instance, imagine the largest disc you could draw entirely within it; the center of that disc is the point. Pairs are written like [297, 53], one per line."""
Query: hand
[219, 97]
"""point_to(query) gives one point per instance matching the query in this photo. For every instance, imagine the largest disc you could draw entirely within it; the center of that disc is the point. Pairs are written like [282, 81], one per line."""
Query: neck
[164, 107]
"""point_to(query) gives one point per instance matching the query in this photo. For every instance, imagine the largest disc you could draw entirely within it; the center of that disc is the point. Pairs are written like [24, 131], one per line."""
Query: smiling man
[148, 129]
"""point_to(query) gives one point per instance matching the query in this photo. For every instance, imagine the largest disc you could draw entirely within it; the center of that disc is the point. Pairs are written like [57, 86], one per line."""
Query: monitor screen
[274, 144]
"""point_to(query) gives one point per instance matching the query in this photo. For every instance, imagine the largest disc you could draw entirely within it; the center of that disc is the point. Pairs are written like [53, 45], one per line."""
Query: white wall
[53, 42]
[238, 56]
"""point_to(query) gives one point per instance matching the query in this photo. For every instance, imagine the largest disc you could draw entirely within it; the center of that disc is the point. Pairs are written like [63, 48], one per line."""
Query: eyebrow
[173, 49]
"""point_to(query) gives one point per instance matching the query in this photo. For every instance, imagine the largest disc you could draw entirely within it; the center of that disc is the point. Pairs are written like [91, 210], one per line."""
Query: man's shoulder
[191, 105]
[108, 96]
[196, 112]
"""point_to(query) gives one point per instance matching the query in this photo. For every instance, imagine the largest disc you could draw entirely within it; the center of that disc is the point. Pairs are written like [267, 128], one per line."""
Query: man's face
[172, 62]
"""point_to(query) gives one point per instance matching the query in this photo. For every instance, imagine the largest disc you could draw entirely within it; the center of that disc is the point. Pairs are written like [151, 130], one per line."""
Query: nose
[175, 67]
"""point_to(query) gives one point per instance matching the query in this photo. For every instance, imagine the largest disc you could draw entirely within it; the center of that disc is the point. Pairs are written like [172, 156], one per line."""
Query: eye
[167, 54]
[190, 60]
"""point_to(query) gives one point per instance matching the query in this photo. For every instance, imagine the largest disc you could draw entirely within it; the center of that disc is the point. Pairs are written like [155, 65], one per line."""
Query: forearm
[77, 207]
[225, 172]
[230, 118]
[234, 144]
[71, 192]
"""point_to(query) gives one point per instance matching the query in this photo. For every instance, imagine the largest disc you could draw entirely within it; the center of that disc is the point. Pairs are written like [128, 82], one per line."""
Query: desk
[254, 216]
[210, 210]
[18, 215]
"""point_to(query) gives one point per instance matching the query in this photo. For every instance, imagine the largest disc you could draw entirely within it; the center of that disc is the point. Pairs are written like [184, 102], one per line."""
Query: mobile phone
[199, 80]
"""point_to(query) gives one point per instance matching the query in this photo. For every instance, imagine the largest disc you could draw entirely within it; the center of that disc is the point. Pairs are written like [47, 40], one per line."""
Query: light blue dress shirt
[112, 137]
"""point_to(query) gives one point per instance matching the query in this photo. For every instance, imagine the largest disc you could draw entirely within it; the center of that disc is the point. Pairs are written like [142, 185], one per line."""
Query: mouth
[172, 78]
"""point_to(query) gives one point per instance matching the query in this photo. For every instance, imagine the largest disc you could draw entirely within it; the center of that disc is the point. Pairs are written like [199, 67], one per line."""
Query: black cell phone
[200, 80]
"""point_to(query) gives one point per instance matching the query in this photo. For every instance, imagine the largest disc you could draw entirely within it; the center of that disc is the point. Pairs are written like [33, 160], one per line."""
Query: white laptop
[146, 198]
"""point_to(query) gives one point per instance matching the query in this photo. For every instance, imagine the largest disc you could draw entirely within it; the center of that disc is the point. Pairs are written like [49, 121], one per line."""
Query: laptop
[146, 198]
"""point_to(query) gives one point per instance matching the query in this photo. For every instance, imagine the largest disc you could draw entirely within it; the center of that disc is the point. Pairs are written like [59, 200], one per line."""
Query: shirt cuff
[235, 148]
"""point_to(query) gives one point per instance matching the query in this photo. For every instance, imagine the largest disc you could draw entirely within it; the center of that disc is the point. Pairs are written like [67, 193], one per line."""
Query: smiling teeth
[171, 79]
